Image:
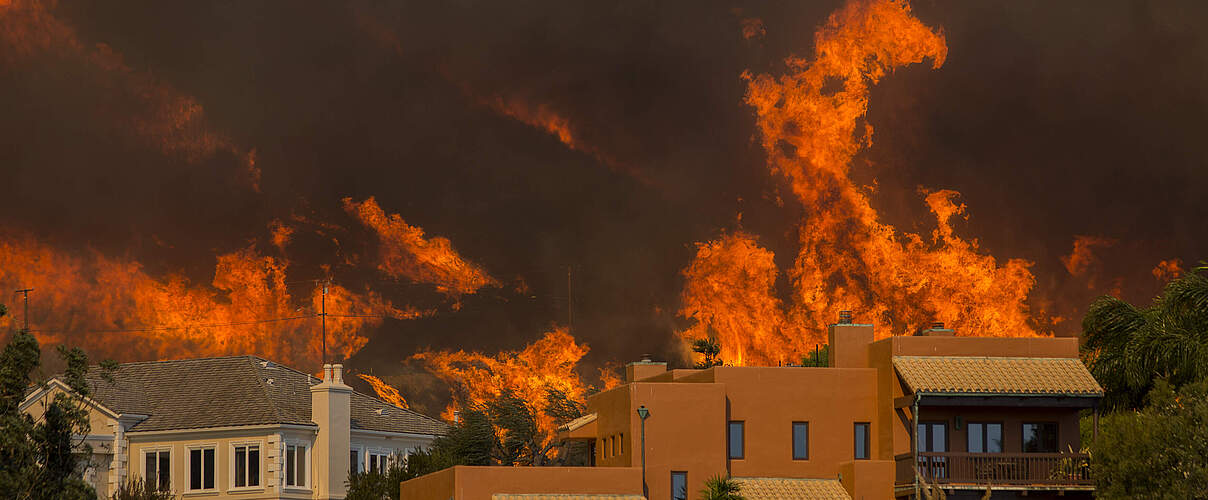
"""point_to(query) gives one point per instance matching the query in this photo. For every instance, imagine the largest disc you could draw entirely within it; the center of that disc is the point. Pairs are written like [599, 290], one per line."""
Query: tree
[820, 357]
[137, 489]
[1127, 348]
[721, 488]
[710, 349]
[1160, 451]
[42, 458]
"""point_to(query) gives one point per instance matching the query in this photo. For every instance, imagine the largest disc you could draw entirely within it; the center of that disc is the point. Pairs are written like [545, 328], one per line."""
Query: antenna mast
[25, 292]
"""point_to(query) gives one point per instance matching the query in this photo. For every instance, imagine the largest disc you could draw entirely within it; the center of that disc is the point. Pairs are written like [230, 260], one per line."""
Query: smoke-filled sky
[606, 139]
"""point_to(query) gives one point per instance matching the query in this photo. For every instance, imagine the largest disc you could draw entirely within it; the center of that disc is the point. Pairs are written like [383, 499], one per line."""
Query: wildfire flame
[811, 125]
[548, 363]
[384, 391]
[405, 253]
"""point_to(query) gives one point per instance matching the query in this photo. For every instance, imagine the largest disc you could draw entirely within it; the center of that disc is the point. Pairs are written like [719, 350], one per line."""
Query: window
[679, 485]
[621, 443]
[295, 465]
[201, 468]
[985, 437]
[1040, 437]
[354, 461]
[933, 437]
[378, 461]
[614, 441]
[801, 440]
[247, 466]
[734, 432]
[159, 470]
[861, 440]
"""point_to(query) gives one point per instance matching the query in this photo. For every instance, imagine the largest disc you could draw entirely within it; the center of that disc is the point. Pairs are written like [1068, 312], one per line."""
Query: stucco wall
[479, 483]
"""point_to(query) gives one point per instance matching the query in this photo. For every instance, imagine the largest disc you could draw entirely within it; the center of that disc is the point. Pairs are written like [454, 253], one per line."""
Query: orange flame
[406, 253]
[811, 127]
[548, 363]
[1082, 256]
[113, 308]
[384, 391]
[167, 118]
[1167, 270]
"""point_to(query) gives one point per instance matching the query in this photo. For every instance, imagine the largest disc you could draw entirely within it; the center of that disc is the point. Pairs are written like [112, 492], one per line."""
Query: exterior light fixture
[643, 414]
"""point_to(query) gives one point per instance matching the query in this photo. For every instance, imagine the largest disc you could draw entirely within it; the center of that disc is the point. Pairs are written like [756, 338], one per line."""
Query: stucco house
[237, 427]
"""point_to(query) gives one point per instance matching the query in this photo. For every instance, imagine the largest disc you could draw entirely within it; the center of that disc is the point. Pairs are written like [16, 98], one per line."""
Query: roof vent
[269, 381]
[267, 365]
[647, 359]
[380, 411]
[937, 325]
[844, 317]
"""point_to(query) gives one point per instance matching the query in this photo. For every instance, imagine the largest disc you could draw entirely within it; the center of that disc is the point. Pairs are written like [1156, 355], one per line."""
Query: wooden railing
[1041, 469]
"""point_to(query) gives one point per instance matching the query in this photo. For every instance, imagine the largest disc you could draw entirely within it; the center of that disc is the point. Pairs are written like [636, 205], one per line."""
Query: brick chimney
[848, 343]
[645, 368]
[330, 409]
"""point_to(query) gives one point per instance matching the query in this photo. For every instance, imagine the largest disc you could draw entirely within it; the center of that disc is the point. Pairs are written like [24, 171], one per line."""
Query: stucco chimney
[645, 368]
[848, 343]
[937, 330]
[330, 409]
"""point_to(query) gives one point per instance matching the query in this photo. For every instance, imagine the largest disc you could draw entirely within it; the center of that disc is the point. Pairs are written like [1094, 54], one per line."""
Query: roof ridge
[181, 360]
[272, 402]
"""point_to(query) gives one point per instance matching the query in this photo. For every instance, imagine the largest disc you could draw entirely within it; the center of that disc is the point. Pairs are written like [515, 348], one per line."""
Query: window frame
[985, 436]
[947, 435]
[742, 440]
[260, 444]
[356, 466]
[856, 451]
[382, 454]
[157, 450]
[1023, 445]
[684, 474]
[202, 447]
[305, 476]
[793, 439]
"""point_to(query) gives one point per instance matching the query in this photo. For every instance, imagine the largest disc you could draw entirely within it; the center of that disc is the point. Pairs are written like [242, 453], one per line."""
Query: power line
[166, 328]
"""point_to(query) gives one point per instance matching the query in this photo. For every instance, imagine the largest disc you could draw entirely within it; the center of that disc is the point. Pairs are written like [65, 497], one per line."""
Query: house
[236, 427]
[882, 420]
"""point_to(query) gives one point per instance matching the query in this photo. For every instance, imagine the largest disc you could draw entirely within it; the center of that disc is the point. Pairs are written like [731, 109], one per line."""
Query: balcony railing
[1019, 469]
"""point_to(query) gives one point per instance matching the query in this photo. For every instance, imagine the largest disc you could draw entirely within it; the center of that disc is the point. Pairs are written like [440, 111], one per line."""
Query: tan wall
[270, 442]
[479, 483]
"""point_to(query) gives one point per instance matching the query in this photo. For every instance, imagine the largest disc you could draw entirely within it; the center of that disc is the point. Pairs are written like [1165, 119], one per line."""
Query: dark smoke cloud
[1052, 120]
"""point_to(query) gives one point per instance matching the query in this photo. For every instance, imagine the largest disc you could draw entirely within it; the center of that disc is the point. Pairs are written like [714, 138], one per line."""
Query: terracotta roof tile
[770, 488]
[984, 375]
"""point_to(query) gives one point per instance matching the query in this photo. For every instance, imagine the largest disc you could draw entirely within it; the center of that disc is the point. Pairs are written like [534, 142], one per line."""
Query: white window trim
[309, 466]
[143, 470]
[188, 480]
[231, 465]
[361, 457]
[385, 453]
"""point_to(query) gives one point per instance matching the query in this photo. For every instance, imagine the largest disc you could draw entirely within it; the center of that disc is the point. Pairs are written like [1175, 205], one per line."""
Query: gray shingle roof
[234, 391]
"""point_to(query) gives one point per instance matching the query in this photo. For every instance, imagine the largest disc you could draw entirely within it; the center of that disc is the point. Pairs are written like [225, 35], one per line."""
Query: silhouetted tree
[709, 349]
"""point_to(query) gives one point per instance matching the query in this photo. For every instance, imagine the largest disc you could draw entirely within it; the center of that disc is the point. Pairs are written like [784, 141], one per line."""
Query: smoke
[168, 134]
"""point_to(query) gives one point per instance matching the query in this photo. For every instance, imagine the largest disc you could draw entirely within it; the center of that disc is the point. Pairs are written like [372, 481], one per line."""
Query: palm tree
[721, 488]
[1128, 347]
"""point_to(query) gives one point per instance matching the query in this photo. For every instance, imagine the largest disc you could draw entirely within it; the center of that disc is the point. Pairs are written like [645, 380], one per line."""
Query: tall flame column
[330, 408]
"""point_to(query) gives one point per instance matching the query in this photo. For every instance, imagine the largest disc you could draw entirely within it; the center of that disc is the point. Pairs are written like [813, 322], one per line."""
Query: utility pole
[25, 292]
[323, 314]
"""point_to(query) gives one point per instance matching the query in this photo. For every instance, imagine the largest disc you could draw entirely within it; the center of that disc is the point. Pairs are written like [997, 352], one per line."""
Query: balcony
[1044, 470]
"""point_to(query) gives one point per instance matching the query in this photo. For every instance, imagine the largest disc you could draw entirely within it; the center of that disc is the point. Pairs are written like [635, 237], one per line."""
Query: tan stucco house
[237, 427]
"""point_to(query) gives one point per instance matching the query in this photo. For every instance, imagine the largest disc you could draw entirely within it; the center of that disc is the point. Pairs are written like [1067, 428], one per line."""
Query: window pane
[352, 462]
[164, 472]
[195, 469]
[975, 438]
[149, 477]
[253, 466]
[208, 463]
[736, 450]
[240, 466]
[289, 465]
[801, 448]
[1040, 437]
[301, 466]
[994, 438]
[939, 434]
[861, 431]
[679, 485]
[621, 442]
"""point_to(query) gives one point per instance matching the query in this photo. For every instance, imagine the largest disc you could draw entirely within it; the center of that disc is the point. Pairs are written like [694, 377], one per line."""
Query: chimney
[645, 368]
[330, 409]
[937, 330]
[848, 343]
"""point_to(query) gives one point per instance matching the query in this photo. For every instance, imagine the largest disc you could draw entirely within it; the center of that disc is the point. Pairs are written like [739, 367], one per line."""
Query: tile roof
[234, 391]
[774, 488]
[578, 422]
[982, 375]
[542, 496]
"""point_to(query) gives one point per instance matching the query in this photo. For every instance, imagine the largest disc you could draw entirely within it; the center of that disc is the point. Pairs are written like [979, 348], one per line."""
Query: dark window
[201, 469]
[247, 466]
[354, 462]
[933, 437]
[621, 442]
[801, 441]
[735, 440]
[158, 470]
[862, 436]
[295, 465]
[985, 437]
[1040, 437]
[679, 486]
